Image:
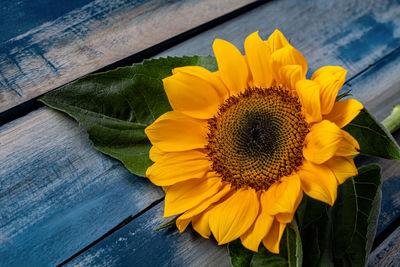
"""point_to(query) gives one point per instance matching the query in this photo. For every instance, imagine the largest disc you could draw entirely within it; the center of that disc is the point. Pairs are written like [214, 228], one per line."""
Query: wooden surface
[88, 36]
[64, 195]
[139, 245]
[387, 254]
[58, 194]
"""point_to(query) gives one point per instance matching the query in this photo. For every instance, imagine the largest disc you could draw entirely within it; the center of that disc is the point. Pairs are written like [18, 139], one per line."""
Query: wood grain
[93, 36]
[139, 245]
[351, 34]
[387, 254]
[317, 44]
[58, 197]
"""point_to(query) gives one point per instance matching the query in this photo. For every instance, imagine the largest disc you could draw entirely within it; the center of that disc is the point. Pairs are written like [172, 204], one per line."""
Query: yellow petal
[258, 58]
[334, 70]
[344, 112]
[287, 55]
[276, 41]
[326, 140]
[156, 154]
[176, 167]
[183, 196]
[186, 217]
[342, 167]
[201, 225]
[288, 217]
[232, 66]
[290, 75]
[181, 224]
[331, 79]
[319, 182]
[213, 78]
[252, 238]
[348, 146]
[174, 131]
[225, 190]
[308, 92]
[233, 217]
[191, 91]
[273, 238]
[284, 195]
[284, 217]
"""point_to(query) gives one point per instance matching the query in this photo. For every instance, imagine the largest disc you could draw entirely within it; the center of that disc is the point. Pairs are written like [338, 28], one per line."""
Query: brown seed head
[257, 137]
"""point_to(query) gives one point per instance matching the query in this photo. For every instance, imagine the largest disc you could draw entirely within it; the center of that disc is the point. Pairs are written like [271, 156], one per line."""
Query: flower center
[257, 137]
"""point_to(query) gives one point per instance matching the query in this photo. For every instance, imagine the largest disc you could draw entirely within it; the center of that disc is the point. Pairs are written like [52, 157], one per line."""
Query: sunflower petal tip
[218, 42]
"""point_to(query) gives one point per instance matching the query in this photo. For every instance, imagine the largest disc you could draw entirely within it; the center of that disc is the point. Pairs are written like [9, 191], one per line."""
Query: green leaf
[373, 137]
[355, 217]
[170, 223]
[161, 67]
[266, 258]
[342, 235]
[115, 107]
[293, 249]
[343, 95]
[239, 255]
[291, 253]
[312, 217]
[310, 211]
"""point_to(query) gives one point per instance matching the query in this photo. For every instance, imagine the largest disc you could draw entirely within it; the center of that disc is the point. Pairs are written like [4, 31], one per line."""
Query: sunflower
[243, 143]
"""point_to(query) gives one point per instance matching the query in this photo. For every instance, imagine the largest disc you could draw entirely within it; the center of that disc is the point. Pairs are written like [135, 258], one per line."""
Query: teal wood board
[49, 43]
[59, 195]
[18, 17]
[64, 196]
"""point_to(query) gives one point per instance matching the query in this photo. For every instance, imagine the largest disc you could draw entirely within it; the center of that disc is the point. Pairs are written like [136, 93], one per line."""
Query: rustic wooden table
[63, 202]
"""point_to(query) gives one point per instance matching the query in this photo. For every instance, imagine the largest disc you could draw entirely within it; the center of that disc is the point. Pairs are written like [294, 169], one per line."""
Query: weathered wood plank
[351, 34]
[90, 37]
[137, 244]
[387, 254]
[265, 16]
[57, 198]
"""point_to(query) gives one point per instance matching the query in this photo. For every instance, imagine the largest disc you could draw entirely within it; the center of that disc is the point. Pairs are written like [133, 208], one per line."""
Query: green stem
[392, 122]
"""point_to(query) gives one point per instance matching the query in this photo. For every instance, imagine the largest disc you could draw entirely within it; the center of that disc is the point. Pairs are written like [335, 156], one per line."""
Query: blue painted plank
[137, 244]
[50, 135]
[58, 197]
[18, 17]
[387, 254]
[45, 44]
[344, 33]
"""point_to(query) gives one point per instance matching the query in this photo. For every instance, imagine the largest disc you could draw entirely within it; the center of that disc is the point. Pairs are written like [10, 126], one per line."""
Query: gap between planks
[17, 107]
[245, 25]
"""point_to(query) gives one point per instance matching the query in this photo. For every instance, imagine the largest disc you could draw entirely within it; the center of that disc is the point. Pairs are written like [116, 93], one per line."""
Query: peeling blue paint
[374, 34]
[11, 86]
[18, 17]
[38, 51]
